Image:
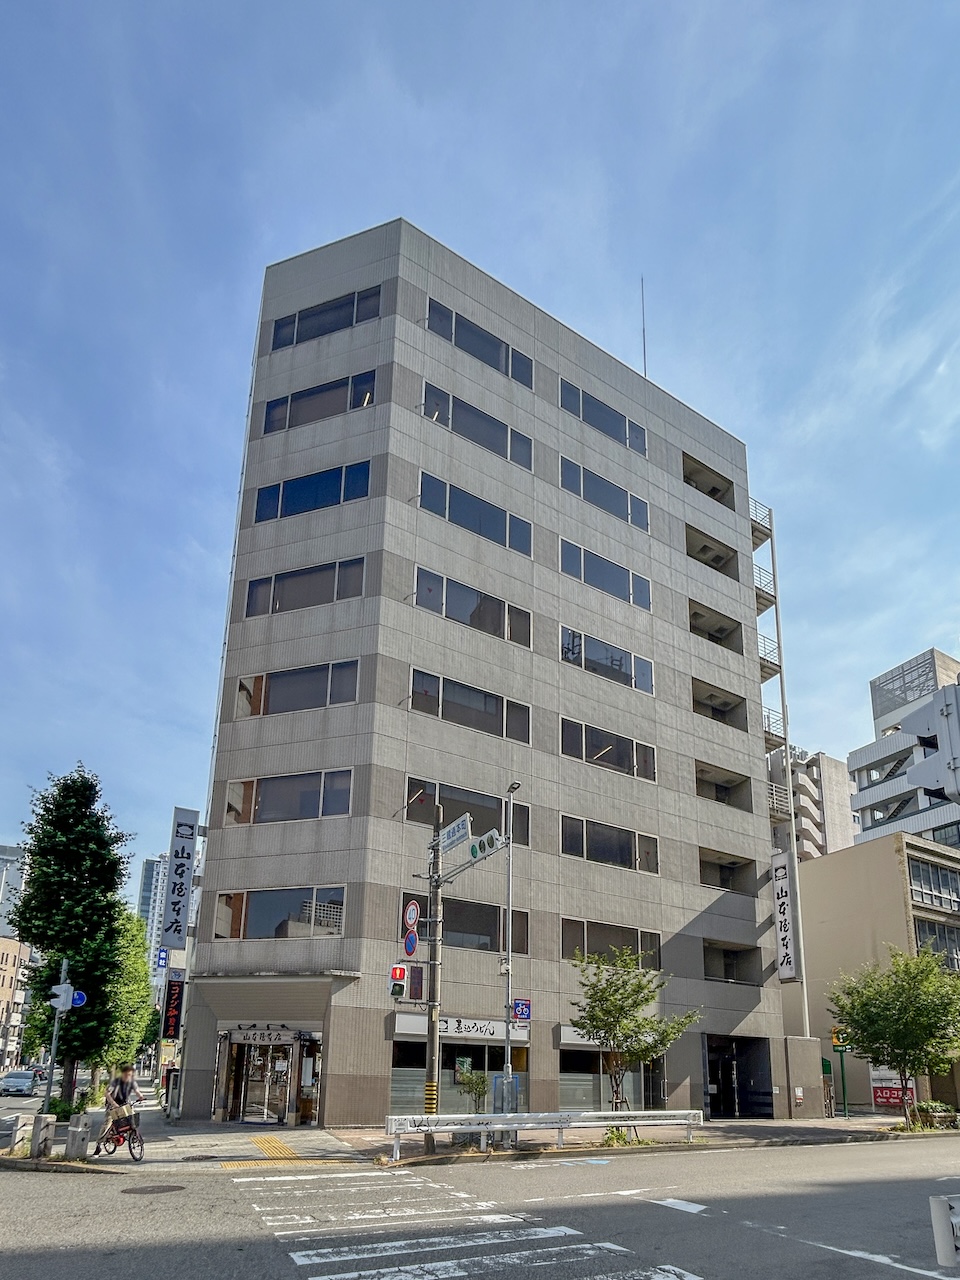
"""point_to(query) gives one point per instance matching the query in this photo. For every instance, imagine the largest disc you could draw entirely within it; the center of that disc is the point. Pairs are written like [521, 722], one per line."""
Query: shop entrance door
[266, 1083]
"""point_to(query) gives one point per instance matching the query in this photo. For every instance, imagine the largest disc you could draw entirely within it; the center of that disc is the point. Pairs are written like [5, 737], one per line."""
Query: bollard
[41, 1144]
[20, 1132]
[78, 1137]
[945, 1214]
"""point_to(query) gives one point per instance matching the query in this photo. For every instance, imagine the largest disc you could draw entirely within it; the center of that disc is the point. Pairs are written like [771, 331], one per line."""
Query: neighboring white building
[883, 799]
[822, 793]
[153, 887]
[10, 881]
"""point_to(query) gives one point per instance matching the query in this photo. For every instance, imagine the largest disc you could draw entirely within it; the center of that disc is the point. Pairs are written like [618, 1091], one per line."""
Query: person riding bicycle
[121, 1090]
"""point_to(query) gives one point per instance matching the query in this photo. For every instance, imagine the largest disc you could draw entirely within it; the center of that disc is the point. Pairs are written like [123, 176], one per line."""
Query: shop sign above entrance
[415, 1024]
[262, 1035]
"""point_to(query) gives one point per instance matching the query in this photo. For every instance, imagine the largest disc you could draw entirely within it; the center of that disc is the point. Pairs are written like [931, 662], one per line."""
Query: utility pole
[53, 1042]
[431, 1088]
[509, 1101]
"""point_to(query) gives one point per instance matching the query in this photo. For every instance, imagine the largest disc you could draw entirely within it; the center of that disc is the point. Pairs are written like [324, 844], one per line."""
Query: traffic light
[484, 845]
[398, 981]
[62, 997]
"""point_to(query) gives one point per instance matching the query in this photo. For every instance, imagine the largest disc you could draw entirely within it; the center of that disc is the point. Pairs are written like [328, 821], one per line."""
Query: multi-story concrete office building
[153, 888]
[474, 548]
[14, 960]
[883, 799]
[822, 817]
[10, 880]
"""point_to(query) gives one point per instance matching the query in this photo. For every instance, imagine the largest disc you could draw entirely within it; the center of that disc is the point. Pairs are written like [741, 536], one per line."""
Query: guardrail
[772, 722]
[760, 514]
[763, 579]
[486, 1124]
[768, 648]
[778, 798]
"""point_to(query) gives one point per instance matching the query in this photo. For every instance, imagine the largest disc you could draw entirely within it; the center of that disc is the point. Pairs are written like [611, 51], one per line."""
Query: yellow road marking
[275, 1148]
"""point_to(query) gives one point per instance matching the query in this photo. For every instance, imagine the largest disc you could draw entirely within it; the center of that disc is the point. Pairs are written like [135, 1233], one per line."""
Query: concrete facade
[823, 818]
[857, 904]
[14, 959]
[883, 799]
[696, 884]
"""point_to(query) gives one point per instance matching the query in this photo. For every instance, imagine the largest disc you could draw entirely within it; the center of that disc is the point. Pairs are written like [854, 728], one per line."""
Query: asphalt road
[791, 1213]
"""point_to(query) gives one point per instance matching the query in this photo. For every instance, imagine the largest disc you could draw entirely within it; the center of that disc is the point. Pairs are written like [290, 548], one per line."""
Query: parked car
[21, 1084]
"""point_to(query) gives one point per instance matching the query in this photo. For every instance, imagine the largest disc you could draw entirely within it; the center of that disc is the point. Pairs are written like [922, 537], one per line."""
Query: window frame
[441, 318]
[516, 529]
[639, 588]
[633, 431]
[567, 725]
[582, 664]
[313, 890]
[336, 565]
[271, 407]
[505, 705]
[255, 782]
[294, 318]
[574, 484]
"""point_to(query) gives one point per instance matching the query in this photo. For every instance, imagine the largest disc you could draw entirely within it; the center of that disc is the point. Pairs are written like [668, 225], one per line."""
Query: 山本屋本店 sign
[787, 967]
[180, 871]
[262, 1035]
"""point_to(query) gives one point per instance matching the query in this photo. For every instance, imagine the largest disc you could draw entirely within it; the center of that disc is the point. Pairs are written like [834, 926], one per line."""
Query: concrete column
[199, 1059]
[41, 1143]
[355, 1080]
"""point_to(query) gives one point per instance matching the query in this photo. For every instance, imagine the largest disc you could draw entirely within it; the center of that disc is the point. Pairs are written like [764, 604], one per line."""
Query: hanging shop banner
[495, 1029]
[787, 966]
[172, 1008]
[180, 871]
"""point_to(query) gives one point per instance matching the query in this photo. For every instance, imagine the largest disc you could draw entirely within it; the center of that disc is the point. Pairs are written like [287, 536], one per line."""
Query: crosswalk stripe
[385, 1215]
[473, 1240]
[663, 1272]
[480, 1264]
[685, 1206]
[467, 1219]
[312, 1177]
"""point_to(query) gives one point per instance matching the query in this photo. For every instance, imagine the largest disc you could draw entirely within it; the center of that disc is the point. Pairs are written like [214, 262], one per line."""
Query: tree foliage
[130, 997]
[612, 1012]
[905, 1017]
[70, 909]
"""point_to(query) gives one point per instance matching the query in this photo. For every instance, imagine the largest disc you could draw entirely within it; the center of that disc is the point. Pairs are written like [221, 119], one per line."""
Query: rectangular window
[602, 417]
[483, 429]
[314, 492]
[473, 926]
[648, 854]
[479, 342]
[302, 588]
[934, 886]
[604, 494]
[608, 750]
[425, 693]
[307, 688]
[472, 708]
[314, 404]
[268, 503]
[637, 438]
[650, 950]
[474, 514]
[280, 913]
[436, 405]
[597, 571]
[569, 397]
[473, 608]
[521, 368]
[607, 660]
[327, 317]
[440, 320]
[600, 938]
[571, 938]
[486, 812]
[612, 845]
[302, 795]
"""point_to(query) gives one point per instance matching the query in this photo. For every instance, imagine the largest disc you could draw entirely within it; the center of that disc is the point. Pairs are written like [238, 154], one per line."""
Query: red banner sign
[889, 1095]
[172, 1009]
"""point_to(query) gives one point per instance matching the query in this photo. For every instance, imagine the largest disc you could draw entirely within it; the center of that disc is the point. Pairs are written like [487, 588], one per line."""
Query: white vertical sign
[180, 869]
[787, 966]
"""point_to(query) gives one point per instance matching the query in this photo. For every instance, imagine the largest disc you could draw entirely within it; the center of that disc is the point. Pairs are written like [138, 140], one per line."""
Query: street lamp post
[509, 1102]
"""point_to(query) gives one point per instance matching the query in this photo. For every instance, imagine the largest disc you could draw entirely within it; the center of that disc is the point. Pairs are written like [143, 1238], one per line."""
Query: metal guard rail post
[487, 1123]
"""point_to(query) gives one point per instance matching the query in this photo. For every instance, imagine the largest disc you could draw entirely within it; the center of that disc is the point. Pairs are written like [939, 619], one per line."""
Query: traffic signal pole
[431, 1088]
[53, 1043]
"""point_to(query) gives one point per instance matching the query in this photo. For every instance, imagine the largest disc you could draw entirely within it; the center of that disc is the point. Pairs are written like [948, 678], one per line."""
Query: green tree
[69, 908]
[130, 998]
[151, 1031]
[615, 993]
[905, 1017]
[475, 1085]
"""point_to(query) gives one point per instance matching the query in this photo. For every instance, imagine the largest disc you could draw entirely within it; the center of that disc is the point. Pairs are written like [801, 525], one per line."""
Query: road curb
[52, 1166]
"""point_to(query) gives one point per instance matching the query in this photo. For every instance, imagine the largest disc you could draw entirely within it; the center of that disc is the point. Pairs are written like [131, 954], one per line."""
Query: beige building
[822, 791]
[14, 957]
[897, 890]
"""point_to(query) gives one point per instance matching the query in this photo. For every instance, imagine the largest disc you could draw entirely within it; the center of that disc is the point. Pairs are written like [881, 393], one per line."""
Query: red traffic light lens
[398, 973]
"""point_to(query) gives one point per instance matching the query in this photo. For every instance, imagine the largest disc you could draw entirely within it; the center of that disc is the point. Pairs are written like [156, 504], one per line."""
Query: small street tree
[70, 908]
[905, 1017]
[612, 1012]
[131, 996]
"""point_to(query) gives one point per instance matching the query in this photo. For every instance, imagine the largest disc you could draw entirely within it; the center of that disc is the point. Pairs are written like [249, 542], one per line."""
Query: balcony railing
[772, 722]
[763, 579]
[761, 515]
[769, 649]
[778, 798]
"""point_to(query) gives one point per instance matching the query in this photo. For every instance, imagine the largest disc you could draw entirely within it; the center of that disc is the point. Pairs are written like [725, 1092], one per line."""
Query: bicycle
[125, 1129]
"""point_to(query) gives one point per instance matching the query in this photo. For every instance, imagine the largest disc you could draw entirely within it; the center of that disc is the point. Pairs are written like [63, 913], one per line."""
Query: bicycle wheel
[135, 1144]
[108, 1146]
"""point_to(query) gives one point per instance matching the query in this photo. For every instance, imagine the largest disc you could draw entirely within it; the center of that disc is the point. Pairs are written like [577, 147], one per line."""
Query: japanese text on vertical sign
[783, 914]
[172, 1010]
[180, 871]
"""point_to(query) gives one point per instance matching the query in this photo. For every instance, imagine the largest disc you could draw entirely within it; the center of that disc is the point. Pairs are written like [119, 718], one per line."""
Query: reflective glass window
[571, 646]
[570, 559]
[356, 481]
[268, 503]
[336, 793]
[521, 450]
[440, 320]
[368, 304]
[317, 403]
[436, 405]
[639, 513]
[606, 576]
[279, 913]
[641, 591]
[603, 938]
[472, 708]
[363, 389]
[298, 690]
[474, 608]
[571, 739]
[648, 857]
[607, 660]
[328, 317]
[643, 675]
[521, 536]
[600, 416]
[605, 495]
[283, 331]
[612, 845]
[484, 430]
[569, 397]
[350, 579]
[521, 368]
[259, 595]
[609, 750]
[288, 799]
[343, 682]
[433, 494]
[479, 342]
[429, 590]
[478, 516]
[637, 438]
[303, 588]
[518, 625]
[312, 493]
[275, 416]
[425, 693]
[518, 722]
[571, 938]
[646, 761]
[571, 836]
[569, 476]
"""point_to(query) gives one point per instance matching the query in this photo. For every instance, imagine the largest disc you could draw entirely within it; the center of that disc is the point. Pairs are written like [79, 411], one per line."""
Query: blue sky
[785, 177]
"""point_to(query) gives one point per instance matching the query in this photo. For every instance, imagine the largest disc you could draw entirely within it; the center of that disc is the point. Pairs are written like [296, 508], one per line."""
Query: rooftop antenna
[643, 315]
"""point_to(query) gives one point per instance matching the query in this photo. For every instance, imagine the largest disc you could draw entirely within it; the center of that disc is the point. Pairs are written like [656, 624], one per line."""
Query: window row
[473, 926]
[472, 607]
[942, 939]
[327, 317]
[301, 689]
[607, 660]
[280, 913]
[615, 846]
[473, 424]
[605, 575]
[934, 886]
[314, 404]
[473, 708]
[486, 812]
[475, 514]
[949, 835]
[606, 495]
[469, 337]
[314, 492]
[289, 799]
[301, 588]
[594, 938]
[602, 417]
[609, 750]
